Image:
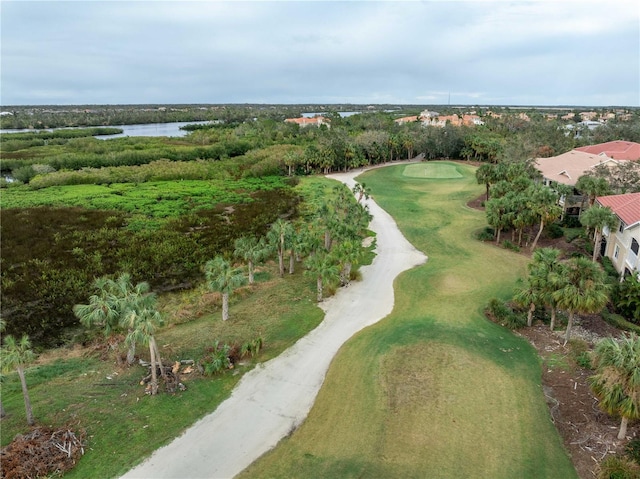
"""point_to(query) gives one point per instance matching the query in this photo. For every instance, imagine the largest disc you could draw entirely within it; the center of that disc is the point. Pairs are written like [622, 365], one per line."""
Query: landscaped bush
[554, 231]
[619, 322]
[626, 298]
[506, 244]
[486, 234]
[571, 222]
[614, 467]
[632, 450]
[502, 314]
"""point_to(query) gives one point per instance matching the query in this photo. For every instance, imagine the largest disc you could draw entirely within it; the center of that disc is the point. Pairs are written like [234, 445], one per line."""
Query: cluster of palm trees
[578, 285]
[120, 307]
[330, 243]
[575, 285]
[516, 202]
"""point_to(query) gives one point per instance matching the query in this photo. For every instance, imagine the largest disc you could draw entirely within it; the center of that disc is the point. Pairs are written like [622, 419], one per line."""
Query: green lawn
[434, 390]
[432, 170]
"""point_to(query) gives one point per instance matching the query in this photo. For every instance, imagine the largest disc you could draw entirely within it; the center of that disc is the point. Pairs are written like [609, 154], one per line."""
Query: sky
[553, 52]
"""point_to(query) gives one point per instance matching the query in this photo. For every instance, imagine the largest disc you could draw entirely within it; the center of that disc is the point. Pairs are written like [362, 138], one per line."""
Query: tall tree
[3, 325]
[361, 190]
[323, 268]
[112, 302]
[252, 250]
[143, 324]
[598, 219]
[528, 295]
[544, 204]
[278, 236]
[616, 383]
[347, 253]
[546, 265]
[223, 277]
[486, 175]
[17, 355]
[581, 287]
[592, 186]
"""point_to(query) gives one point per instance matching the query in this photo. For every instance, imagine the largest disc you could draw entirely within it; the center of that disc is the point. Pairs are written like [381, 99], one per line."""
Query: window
[621, 227]
[634, 245]
[616, 250]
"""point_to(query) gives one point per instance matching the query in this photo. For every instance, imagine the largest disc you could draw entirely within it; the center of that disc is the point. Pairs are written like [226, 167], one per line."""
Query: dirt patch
[589, 435]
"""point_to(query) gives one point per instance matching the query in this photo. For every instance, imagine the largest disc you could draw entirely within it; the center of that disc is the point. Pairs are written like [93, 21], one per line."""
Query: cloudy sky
[559, 52]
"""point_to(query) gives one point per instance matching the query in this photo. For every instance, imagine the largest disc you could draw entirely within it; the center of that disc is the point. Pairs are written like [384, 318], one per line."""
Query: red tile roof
[316, 120]
[626, 207]
[618, 150]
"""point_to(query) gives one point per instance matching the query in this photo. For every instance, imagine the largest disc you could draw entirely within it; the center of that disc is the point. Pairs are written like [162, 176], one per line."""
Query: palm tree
[487, 174]
[598, 219]
[143, 324]
[3, 326]
[113, 301]
[278, 234]
[17, 355]
[581, 288]
[544, 204]
[498, 212]
[323, 268]
[616, 383]
[545, 265]
[347, 253]
[528, 295]
[592, 186]
[224, 278]
[252, 251]
[361, 190]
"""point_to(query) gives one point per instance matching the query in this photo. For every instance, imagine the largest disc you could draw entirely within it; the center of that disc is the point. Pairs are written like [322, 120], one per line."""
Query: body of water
[146, 129]
[343, 114]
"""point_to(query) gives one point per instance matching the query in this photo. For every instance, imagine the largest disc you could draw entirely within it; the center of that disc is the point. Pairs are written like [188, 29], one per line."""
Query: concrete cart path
[274, 398]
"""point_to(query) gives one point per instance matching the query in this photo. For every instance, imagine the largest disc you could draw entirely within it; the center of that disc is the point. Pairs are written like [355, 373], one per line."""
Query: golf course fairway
[434, 390]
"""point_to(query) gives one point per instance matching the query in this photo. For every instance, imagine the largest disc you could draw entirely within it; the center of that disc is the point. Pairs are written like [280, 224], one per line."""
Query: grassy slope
[434, 390]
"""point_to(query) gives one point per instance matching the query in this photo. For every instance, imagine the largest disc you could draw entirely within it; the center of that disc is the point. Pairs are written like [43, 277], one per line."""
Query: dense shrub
[509, 245]
[50, 256]
[486, 234]
[615, 467]
[554, 231]
[619, 322]
[632, 450]
[502, 314]
[626, 298]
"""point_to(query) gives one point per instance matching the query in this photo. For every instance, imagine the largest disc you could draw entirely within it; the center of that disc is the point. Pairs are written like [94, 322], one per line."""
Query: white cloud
[229, 51]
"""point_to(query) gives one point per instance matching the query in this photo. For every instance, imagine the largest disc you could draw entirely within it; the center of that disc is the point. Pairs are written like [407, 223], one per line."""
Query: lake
[146, 129]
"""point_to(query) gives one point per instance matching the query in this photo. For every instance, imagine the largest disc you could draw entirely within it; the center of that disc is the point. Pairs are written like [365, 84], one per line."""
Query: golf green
[432, 171]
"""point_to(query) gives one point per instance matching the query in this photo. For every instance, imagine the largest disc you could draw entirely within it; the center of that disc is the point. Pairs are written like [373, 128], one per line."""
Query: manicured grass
[433, 390]
[432, 170]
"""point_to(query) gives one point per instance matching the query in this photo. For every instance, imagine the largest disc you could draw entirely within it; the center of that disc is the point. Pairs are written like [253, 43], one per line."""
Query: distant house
[622, 245]
[406, 119]
[471, 120]
[315, 121]
[588, 115]
[618, 150]
[441, 121]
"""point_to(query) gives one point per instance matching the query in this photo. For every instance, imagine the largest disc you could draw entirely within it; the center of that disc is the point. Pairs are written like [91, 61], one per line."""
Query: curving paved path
[273, 399]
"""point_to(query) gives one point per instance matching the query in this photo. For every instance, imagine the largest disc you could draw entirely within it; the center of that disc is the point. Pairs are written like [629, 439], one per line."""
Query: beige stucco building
[622, 244]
